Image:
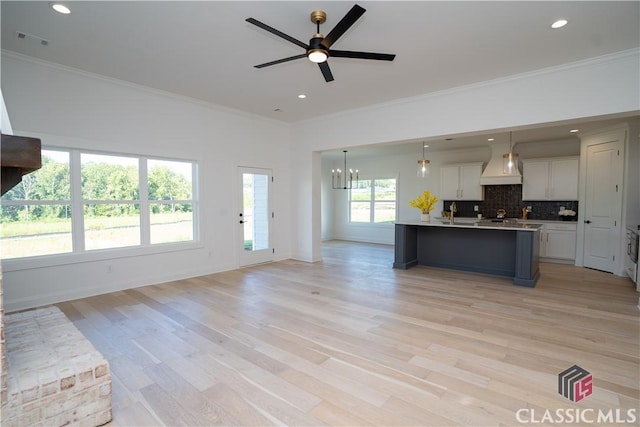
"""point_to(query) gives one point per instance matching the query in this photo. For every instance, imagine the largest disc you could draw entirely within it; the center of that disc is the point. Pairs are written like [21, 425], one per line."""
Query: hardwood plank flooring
[351, 341]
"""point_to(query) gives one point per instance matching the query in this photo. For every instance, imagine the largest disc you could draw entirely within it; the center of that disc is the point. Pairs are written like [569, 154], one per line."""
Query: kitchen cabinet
[550, 179]
[461, 182]
[558, 241]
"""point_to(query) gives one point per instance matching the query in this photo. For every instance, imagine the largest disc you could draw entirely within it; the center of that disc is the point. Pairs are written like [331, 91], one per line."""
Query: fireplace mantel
[19, 156]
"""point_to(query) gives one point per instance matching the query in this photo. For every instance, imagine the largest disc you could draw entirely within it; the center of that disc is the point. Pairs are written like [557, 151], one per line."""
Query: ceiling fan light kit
[319, 48]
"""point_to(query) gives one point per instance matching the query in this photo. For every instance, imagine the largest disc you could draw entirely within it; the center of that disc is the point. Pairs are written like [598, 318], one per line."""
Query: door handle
[241, 222]
[587, 221]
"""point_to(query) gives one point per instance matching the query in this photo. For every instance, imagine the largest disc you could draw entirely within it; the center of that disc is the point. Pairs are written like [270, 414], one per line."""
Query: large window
[80, 201]
[373, 201]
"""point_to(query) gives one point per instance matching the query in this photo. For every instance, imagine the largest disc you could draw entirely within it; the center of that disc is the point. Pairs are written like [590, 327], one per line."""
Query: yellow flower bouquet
[425, 202]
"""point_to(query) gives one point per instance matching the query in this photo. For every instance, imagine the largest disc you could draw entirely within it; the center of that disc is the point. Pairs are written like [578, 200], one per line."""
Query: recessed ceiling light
[60, 8]
[426, 146]
[490, 139]
[559, 23]
[574, 130]
[302, 96]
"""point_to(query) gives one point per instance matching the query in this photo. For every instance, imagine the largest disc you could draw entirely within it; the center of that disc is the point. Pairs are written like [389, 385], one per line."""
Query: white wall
[597, 87]
[5, 122]
[78, 110]
[632, 176]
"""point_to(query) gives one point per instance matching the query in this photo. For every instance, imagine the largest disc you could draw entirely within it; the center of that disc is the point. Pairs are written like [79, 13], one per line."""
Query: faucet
[453, 210]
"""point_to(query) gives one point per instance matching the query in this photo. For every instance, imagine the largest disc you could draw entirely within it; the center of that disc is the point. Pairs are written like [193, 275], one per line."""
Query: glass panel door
[255, 216]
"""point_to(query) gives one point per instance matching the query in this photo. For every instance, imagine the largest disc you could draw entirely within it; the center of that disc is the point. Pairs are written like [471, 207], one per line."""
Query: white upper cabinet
[550, 179]
[564, 179]
[461, 182]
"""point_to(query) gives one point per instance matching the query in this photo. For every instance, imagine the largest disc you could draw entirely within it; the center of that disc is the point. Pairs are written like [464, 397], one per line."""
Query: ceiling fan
[319, 47]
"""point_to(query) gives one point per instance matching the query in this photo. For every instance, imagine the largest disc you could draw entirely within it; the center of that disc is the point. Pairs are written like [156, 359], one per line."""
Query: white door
[603, 204]
[255, 216]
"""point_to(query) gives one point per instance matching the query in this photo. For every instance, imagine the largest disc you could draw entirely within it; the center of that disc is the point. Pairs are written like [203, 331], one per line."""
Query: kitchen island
[503, 249]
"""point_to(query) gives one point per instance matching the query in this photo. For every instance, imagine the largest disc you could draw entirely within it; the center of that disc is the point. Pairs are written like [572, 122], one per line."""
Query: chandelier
[341, 179]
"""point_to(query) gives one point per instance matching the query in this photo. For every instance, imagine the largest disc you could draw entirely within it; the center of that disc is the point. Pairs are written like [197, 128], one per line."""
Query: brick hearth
[54, 374]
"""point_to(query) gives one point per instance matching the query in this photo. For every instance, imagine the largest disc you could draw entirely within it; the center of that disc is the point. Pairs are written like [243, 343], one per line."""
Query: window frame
[372, 203]
[76, 202]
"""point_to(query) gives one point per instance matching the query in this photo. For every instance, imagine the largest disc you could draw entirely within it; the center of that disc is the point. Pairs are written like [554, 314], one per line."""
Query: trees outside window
[170, 201]
[36, 214]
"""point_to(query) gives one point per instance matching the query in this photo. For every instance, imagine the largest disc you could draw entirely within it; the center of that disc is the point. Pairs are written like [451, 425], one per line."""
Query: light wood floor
[351, 341]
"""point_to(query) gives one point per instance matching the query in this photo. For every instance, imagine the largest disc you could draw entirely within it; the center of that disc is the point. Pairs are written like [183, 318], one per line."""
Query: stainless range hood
[493, 173]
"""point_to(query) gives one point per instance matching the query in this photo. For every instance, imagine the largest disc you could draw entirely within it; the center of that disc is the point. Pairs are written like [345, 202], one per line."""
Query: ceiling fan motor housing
[316, 44]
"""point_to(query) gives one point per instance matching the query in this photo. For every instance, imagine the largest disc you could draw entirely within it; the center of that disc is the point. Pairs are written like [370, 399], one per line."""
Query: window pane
[170, 180]
[360, 212]
[35, 230]
[362, 191]
[171, 223]
[109, 177]
[111, 226]
[385, 189]
[50, 182]
[255, 208]
[384, 212]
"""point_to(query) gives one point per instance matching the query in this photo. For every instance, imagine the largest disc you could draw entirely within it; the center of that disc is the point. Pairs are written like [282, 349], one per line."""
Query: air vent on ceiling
[31, 38]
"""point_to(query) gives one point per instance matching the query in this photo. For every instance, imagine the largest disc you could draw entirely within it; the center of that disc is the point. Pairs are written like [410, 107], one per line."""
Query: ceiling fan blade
[326, 71]
[277, 33]
[280, 61]
[362, 55]
[341, 27]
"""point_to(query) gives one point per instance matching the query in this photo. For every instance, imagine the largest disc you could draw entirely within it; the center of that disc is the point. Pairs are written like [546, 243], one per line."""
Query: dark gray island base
[510, 251]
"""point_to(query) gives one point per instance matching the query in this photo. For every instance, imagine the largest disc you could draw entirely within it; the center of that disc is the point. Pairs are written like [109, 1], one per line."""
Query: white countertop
[520, 221]
[475, 224]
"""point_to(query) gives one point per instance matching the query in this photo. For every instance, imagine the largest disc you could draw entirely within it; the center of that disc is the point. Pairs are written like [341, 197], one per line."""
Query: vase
[425, 217]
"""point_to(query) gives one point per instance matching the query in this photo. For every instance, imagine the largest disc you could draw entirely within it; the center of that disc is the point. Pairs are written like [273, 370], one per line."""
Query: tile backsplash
[509, 198]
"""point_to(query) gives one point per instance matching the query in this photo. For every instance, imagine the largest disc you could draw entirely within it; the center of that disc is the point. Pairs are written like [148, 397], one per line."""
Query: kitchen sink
[498, 220]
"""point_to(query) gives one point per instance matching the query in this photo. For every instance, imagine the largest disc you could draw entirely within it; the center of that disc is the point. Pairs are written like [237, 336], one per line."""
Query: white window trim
[372, 202]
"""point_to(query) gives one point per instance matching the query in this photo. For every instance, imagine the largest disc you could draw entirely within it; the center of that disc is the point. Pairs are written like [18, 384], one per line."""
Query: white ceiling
[206, 50]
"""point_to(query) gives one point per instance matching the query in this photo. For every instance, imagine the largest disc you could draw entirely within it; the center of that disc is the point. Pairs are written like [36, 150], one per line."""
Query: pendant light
[342, 180]
[423, 165]
[510, 160]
